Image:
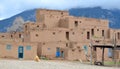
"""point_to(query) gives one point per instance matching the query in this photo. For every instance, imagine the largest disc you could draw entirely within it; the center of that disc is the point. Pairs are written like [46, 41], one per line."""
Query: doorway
[62, 54]
[57, 52]
[20, 51]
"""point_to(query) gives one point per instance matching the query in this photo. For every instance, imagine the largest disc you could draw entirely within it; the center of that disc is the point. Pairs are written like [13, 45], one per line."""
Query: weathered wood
[94, 54]
[103, 55]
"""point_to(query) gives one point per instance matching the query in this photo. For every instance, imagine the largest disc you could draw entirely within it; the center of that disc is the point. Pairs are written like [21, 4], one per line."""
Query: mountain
[112, 15]
[28, 15]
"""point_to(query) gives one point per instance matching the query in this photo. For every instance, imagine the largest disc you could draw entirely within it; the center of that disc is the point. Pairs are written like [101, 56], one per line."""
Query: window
[67, 35]
[61, 13]
[79, 50]
[88, 35]
[48, 48]
[25, 26]
[3, 36]
[80, 22]
[92, 32]
[118, 35]
[8, 47]
[53, 33]
[43, 43]
[38, 26]
[73, 33]
[28, 47]
[102, 32]
[97, 29]
[73, 50]
[76, 23]
[78, 47]
[19, 35]
[36, 35]
[110, 54]
[11, 36]
[66, 44]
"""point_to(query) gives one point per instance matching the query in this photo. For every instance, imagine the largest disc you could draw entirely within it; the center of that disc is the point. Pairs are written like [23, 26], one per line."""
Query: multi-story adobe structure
[56, 34]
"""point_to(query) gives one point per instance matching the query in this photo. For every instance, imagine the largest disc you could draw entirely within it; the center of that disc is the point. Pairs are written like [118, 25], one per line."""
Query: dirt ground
[47, 64]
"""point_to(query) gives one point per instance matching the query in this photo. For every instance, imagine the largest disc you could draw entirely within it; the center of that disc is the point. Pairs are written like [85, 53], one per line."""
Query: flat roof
[106, 46]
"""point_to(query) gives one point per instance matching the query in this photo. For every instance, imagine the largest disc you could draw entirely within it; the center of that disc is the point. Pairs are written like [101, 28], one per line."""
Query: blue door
[57, 52]
[20, 52]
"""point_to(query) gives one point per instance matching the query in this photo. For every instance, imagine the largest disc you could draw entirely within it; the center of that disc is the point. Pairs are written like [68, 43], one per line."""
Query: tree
[17, 25]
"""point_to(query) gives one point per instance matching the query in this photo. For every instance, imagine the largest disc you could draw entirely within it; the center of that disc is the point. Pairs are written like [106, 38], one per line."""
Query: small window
[25, 26]
[118, 35]
[76, 23]
[38, 26]
[19, 35]
[102, 32]
[66, 44]
[80, 21]
[36, 35]
[88, 35]
[92, 32]
[8, 47]
[3, 36]
[11, 36]
[43, 43]
[48, 48]
[61, 13]
[28, 47]
[79, 50]
[73, 50]
[73, 33]
[78, 47]
[97, 29]
[67, 35]
[53, 33]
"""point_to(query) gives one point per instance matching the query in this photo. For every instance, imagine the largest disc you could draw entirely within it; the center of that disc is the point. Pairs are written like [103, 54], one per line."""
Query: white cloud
[11, 7]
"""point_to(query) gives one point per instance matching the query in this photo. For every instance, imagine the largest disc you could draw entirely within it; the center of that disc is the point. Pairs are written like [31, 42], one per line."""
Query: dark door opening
[88, 35]
[67, 35]
[20, 52]
[62, 54]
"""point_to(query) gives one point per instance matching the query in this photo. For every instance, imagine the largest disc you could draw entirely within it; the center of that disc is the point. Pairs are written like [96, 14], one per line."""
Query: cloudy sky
[9, 8]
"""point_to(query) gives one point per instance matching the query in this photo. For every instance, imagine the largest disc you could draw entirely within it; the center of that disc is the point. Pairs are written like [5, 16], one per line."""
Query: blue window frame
[8, 47]
[85, 49]
[28, 47]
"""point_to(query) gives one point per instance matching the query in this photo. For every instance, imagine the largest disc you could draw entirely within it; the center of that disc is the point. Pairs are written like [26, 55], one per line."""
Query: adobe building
[58, 35]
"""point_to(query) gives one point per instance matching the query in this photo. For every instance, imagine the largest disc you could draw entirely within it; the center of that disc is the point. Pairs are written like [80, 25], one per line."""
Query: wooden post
[91, 55]
[103, 55]
[94, 54]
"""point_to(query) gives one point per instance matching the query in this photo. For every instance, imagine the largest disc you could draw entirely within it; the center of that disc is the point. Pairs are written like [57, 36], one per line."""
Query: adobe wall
[48, 36]
[48, 49]
[13, 52]
[87, 22]
[41, 12]
[77, 52]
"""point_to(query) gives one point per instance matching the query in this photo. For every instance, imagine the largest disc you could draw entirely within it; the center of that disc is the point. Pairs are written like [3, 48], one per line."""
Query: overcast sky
[9, 8]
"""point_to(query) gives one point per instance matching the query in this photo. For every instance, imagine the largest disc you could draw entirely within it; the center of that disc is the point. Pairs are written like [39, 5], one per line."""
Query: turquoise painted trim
[28, 47]
[85, 47]
[8, 47]
[18, 51]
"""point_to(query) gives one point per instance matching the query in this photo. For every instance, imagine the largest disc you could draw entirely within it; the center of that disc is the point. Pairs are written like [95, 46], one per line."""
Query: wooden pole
[94, 54]
[103, 55]
[91, 55]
